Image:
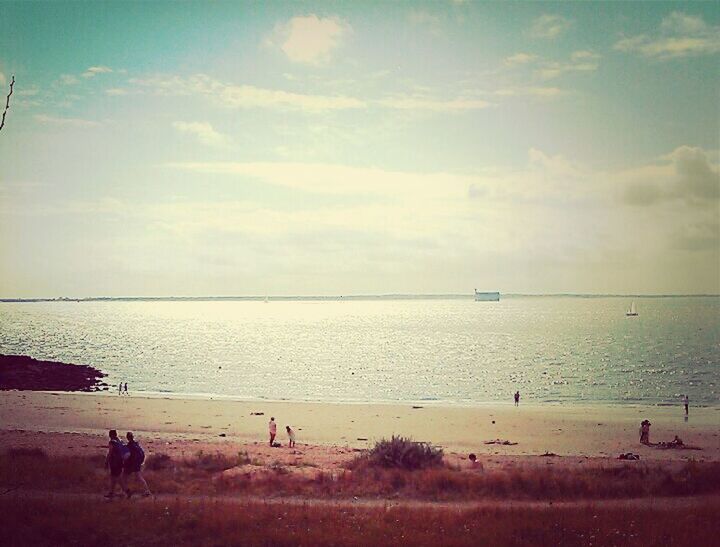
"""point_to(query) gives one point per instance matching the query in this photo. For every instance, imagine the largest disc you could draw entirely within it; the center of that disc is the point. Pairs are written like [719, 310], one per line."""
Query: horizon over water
[390, 348]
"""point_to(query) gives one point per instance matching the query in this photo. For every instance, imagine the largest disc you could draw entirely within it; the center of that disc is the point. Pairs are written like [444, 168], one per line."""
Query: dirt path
[370, 503]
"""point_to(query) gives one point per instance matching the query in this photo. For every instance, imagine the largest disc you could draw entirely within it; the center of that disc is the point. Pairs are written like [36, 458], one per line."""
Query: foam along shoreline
[593, 431]
[20, 372]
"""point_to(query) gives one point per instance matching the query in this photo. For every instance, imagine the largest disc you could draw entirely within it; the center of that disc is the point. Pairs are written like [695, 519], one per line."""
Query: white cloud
[423, 103]
[310, 39]
[115, 91]
[93, 71]
[580, 61]
[549, 27]
[685, 175]
[520, 59]
[68, 79]
[248, 96]
[203, 131]
[546, 92]
[245, 96]
[679, 35]
[70, 122]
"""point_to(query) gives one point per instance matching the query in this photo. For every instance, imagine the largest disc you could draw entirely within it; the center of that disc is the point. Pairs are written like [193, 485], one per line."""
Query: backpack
[121, 453]
[138, 454]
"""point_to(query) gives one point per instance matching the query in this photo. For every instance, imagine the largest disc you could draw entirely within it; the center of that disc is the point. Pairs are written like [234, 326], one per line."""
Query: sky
[328, 148]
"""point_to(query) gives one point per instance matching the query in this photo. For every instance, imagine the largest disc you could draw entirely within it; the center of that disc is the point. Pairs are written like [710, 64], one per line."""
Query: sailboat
[632, 312]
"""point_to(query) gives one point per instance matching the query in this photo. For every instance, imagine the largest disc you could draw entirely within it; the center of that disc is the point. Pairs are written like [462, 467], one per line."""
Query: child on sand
[133, 465]
[291, 435]
[116, 455]
[272, 428]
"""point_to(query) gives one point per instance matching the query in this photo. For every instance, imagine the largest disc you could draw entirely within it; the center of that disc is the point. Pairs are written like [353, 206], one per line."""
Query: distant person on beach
[291, 436]
[126, 392]
[120, 388]
[686, 402]
[645, 432]
[517, 398]
[117, 455]
[133, 465]
[272, 428]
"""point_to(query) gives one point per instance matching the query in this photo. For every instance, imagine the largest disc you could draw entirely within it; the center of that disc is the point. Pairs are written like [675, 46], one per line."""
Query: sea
[449, 350]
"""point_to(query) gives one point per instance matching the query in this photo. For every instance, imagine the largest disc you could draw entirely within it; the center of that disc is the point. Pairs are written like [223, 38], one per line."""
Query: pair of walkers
[124, 461]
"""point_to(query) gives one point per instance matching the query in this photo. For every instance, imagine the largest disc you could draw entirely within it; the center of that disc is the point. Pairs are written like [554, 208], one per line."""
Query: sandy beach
[597, 432]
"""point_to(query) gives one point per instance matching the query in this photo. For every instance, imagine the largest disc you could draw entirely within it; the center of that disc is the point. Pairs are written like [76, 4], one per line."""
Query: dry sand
[329, 434]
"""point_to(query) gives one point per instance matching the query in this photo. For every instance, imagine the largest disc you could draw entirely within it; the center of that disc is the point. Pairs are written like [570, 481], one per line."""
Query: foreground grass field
[216, 474]
[215, 522]
[216, 499]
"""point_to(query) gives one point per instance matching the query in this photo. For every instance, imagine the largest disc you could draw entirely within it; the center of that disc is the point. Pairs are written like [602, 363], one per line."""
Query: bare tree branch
[7, 102]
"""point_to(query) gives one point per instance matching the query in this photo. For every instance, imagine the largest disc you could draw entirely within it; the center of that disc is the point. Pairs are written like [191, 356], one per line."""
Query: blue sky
[344, 148]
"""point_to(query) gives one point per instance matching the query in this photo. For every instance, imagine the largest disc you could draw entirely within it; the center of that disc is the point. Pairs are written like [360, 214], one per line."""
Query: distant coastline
[332, 298]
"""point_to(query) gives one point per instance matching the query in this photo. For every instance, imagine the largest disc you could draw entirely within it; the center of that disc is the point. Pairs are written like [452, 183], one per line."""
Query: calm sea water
[458, 351]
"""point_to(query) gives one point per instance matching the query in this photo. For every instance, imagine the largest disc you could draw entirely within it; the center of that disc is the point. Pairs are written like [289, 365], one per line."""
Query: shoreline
[111, 391]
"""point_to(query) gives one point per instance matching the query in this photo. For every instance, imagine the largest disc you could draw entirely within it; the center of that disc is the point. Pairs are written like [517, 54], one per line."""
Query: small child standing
[291, 435]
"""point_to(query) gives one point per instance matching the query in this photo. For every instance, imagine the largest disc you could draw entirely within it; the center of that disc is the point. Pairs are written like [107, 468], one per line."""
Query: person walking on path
[115, 459]
[686, 402]
[291, 436]
[126, 391]
[272, 429]
[133, 465]
[517, 398]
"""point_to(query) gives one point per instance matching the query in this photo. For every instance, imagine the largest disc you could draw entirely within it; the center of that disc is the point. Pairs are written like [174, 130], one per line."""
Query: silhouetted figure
[686, 402]
[133, 465]
[645, 432]
[272, 429]
[517, 398]
[117, 454]
[291, 436]
[120, 388]
[126, 391]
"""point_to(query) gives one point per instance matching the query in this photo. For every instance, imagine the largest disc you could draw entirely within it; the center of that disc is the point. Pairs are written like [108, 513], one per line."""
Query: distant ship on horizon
[487, 296]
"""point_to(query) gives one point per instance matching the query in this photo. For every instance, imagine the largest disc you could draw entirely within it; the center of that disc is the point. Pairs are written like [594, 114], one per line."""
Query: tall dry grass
[203, 474]
[87, 522]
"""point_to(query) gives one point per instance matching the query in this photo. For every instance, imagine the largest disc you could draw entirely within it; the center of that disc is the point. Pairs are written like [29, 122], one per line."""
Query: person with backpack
[117, 455]
[133, 466]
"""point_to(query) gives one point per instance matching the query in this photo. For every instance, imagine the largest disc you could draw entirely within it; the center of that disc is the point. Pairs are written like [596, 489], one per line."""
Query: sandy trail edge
[628, 503]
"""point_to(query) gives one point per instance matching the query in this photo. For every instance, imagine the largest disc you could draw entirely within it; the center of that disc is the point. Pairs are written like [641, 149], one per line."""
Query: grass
[87, 522]
[32, 469]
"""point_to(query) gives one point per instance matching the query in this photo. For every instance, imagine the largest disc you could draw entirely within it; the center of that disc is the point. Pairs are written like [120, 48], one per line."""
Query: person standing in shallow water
[272, 429]
[517, 398]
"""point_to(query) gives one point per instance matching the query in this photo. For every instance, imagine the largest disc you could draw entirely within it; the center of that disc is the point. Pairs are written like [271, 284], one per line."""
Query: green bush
[403, 453]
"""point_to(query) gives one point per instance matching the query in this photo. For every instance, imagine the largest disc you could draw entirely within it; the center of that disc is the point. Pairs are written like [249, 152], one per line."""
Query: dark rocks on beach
[25, 373]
